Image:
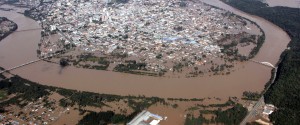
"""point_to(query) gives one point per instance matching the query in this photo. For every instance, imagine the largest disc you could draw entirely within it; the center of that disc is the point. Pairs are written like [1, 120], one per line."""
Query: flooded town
[147, 38]
[167, 61]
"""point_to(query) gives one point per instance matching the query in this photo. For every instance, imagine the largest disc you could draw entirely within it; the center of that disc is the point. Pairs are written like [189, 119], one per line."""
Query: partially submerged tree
[63, 62]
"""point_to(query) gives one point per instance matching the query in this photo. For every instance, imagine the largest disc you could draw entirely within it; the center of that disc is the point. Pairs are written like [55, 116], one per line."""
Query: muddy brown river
[20, 47]
[287, 3]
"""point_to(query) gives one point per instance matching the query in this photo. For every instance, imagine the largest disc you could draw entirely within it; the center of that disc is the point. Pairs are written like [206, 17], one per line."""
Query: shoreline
[126, 84]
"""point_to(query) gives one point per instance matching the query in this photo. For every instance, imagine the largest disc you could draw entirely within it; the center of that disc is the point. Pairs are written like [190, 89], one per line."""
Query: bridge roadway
[34, 61]
[25, 64]
[263, 63]
[28, 30]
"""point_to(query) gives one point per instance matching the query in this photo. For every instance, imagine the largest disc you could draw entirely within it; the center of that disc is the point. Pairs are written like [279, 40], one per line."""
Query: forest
[285, 92]
[104, 118]
[231, 116]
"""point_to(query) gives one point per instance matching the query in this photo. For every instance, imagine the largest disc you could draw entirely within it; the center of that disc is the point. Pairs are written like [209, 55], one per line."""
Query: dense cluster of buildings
[159, 33]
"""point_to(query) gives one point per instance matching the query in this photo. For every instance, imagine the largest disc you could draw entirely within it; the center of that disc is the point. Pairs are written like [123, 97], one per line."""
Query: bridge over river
[34, 61]
[264, 63]
[28, 30]
[31, 62]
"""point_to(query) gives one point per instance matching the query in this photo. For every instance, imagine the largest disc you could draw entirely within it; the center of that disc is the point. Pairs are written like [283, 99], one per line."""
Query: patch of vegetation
[178, 67]
[73, 97]
[231, 116]
[159, 56]
[129, 66]
[2, 76]
[182, 99]
[24, 89]
[249, 39]
[175, 106]
[247, 95]
[259, 44]
[139, 105]
[104, 118]
[103, 63]
[191, 120]
[133, 67]
[226, 104]
[63, 62]
[3, 94]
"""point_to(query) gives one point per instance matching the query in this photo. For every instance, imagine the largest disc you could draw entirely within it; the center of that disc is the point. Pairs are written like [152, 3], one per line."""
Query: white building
[268, 109]
[145, 118]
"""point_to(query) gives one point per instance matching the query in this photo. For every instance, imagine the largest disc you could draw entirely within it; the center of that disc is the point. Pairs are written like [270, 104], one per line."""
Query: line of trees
[104, 118]
[231, 116]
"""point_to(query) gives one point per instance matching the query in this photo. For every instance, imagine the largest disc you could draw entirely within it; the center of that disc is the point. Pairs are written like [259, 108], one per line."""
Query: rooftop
[146, 118]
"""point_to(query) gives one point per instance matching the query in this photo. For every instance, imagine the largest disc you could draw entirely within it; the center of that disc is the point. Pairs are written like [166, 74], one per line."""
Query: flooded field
[20, 47]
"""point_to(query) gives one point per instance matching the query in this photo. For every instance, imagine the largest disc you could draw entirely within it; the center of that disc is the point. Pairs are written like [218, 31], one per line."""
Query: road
[258, 104]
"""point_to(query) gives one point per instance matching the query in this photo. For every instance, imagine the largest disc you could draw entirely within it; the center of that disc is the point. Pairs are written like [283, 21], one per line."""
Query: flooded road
[20, 47]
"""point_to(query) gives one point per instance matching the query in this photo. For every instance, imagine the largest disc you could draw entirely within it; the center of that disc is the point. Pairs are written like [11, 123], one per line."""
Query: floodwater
[286, 3]
[20, 47]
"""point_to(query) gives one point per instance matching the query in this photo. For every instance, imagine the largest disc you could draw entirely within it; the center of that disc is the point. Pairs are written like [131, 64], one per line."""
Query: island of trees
[6, 27]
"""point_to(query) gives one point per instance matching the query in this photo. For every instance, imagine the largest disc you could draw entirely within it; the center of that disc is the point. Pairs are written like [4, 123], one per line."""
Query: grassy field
[2, 94]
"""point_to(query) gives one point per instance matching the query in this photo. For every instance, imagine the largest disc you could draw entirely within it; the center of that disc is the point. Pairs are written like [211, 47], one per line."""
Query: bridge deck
[263, 63]
[34, 61]
[24, 64]
[28, 30]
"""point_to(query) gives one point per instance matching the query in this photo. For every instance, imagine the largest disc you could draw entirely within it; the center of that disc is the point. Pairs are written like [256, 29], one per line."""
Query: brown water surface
[20, 47]
[286, 3]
